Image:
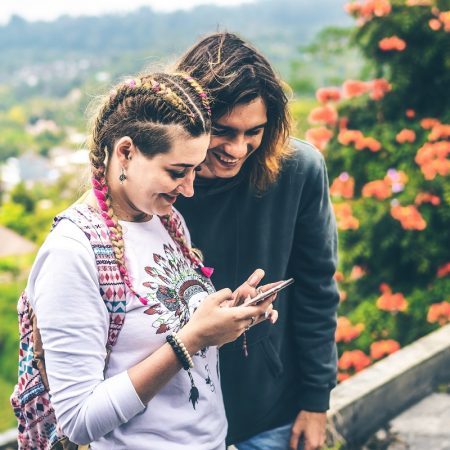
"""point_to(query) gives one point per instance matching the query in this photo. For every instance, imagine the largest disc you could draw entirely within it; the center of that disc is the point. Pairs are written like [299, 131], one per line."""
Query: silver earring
[122, 176]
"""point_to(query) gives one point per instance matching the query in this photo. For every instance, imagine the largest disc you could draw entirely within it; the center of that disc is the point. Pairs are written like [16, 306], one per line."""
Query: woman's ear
[124, 150]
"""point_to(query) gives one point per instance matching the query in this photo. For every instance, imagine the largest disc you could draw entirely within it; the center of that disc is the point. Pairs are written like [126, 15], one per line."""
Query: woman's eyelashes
[177, 175]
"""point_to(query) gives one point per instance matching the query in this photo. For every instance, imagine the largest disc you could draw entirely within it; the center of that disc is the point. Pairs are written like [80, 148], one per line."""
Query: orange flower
[381, 7]
[439, 312]
[444, 17]
[352, 8]
[409, 217]
[328, 94]
[357, 273]
[425, 197]
[383, 348]
[379, 189]
[343, 186]
[344, 217]
[369, 9]
[346, 137]
[443, 270]
[345, 331]
[353, 360]
[392, 43]
[379, 87]
[439, 131]
[432, 159]
[435, 24]
[354, 88]
[342, 296]
[428, 123]
[410, 113]
[368, 142]
[323, 114]
[389, 301]
[339, 276]
[319, 136]
[405, 136]
[343, 123]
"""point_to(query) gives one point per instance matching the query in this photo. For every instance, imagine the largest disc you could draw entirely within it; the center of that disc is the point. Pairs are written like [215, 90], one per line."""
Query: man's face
[235, 136]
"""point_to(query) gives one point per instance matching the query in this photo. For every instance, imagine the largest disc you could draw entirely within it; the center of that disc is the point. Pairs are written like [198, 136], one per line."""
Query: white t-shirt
[63, 289]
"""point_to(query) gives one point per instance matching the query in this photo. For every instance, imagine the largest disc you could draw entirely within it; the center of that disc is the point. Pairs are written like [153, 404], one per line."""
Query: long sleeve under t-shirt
[105, 410]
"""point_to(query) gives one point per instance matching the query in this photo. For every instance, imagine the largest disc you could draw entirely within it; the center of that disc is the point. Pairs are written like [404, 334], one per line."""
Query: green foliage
[299, 110]
[420, 75]
[22, 196]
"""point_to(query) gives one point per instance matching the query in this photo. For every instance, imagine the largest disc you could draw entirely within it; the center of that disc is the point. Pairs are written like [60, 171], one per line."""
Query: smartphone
[263, 295]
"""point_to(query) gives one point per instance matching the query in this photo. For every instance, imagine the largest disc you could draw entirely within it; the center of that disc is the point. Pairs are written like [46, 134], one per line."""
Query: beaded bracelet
[180, 350]
[186, 361]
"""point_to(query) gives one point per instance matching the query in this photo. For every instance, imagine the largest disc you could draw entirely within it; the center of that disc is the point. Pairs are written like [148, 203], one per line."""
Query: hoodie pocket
[272, 358]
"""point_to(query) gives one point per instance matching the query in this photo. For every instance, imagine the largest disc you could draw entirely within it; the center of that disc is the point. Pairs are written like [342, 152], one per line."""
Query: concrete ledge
[368, 400]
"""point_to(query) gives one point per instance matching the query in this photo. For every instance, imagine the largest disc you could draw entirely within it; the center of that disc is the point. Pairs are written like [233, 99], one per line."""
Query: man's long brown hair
[233, 72]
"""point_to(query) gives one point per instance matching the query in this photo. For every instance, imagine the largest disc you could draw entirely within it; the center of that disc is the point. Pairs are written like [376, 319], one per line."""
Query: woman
[148, 140]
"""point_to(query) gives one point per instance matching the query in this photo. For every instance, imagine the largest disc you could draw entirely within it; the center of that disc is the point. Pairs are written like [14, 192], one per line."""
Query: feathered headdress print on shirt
[173, 284]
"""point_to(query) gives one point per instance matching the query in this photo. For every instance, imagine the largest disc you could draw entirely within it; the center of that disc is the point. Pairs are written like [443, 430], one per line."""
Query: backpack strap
[112, 286]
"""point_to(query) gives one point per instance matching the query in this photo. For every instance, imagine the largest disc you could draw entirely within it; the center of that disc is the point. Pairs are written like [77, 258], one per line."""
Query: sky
[51, 9]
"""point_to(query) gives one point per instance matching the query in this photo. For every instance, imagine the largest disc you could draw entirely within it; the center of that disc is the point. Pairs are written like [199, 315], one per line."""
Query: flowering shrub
[386, 139]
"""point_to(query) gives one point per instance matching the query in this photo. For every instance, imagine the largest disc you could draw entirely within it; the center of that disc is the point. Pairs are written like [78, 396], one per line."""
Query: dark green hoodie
[289, 231]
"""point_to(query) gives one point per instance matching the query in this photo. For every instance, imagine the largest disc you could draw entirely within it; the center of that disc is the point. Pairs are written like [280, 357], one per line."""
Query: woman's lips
[169, 198]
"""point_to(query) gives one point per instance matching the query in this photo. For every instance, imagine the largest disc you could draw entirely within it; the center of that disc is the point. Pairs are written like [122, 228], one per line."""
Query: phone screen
[263, 295]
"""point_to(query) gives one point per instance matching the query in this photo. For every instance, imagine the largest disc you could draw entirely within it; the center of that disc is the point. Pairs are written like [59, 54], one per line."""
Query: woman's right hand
[213, 324]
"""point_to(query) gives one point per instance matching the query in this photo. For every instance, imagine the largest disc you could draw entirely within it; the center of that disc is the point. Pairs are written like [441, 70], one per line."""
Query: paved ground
[424, 426]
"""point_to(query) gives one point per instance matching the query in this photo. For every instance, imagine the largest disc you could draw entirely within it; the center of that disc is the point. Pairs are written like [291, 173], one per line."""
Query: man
[261, 200]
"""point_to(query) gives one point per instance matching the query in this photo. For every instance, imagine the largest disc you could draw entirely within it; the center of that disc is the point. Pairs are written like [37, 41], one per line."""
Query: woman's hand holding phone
[250, 294]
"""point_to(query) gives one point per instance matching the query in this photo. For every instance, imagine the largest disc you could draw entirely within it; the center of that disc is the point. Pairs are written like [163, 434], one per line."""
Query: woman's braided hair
[142, 109]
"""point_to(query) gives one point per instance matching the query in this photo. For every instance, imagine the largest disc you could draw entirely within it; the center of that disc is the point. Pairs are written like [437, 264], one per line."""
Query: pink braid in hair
[173, 225]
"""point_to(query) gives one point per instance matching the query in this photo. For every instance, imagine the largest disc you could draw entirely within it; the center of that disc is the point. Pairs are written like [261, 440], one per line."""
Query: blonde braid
[197, 109]
[202, 94]
[166, 92]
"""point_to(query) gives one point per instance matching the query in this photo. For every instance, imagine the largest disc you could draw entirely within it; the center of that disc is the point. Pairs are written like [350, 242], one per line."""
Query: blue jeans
[275, 439]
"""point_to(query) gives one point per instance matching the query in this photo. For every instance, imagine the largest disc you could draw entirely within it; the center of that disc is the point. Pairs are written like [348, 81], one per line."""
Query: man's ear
[124, 150]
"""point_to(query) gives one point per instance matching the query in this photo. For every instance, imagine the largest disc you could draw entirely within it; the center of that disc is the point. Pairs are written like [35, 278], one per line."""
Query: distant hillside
[130, 41]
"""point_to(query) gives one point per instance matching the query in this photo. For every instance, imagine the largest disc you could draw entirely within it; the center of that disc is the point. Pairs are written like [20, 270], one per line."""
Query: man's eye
[198, 169]
[218, 132]
[254, 132]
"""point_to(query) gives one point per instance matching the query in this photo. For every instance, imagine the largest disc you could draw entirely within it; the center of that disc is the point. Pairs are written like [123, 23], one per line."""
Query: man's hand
[310, 425]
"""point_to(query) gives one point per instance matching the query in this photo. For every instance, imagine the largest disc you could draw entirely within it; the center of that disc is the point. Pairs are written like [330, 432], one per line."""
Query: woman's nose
[187, 186]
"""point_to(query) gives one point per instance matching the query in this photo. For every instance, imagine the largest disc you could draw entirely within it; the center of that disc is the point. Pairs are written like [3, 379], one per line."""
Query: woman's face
[153, 184]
